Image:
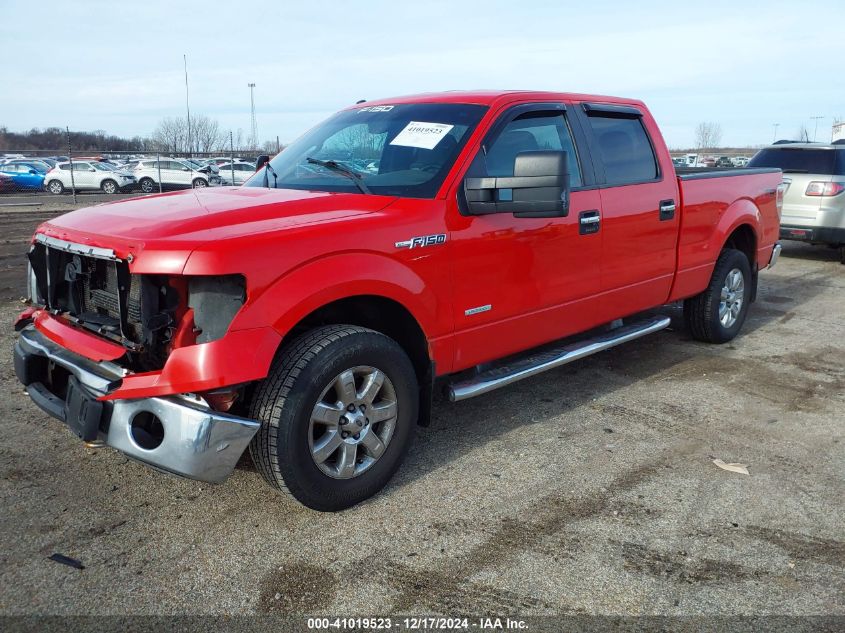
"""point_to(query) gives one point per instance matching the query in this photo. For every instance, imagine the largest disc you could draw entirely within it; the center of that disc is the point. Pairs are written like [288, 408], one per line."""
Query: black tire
[109, 186]
[199, 183]
[147, 185]
[702, 311]
[284, 402]
[56, 187]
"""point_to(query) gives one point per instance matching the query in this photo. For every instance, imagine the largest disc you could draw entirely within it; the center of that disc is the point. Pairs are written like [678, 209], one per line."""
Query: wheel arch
[381, 314]
[744, 239]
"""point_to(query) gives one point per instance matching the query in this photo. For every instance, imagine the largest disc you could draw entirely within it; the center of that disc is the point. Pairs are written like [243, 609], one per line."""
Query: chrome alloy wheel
[352, 422]
[731, 298]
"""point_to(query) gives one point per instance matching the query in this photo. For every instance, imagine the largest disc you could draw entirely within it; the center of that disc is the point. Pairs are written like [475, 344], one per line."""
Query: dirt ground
[590, 489]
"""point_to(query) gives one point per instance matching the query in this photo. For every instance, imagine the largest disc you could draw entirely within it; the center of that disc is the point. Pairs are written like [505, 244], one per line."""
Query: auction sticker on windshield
[424, 135]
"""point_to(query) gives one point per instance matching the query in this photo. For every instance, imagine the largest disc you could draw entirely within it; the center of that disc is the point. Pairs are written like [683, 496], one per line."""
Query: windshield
[101, 167]
[400, 150]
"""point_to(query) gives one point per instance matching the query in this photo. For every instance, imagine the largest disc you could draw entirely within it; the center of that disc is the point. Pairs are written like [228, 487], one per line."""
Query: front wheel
[200, 182]
[717, 314]
[337, 414]
[109, 186]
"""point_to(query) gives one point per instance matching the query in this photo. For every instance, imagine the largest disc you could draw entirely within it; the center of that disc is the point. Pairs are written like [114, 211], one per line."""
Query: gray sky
[117, 66]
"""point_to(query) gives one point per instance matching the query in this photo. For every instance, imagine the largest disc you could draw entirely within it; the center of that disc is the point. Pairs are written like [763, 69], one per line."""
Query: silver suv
[174, 173]
[814, 202]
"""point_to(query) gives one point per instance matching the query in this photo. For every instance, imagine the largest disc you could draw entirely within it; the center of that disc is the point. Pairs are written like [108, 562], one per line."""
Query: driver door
[521, 282]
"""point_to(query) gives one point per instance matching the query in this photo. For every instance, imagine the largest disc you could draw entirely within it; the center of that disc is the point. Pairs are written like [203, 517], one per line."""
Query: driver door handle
[667, 210]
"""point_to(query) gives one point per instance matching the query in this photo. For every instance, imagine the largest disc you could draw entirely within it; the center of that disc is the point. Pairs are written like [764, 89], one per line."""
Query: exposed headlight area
[215, 301]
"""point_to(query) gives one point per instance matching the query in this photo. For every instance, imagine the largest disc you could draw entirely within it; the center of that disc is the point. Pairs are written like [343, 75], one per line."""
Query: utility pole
[775, 135]
[254, 143]
[187, 103]
[816, 128]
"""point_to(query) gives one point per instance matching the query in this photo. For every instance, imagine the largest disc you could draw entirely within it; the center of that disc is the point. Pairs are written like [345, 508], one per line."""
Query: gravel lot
[590, 489]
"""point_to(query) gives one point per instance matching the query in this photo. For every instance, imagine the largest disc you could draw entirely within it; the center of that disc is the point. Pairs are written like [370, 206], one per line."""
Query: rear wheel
[147, 185]
[337, 414]
[109, 186]
[717, 314]
[56, 187]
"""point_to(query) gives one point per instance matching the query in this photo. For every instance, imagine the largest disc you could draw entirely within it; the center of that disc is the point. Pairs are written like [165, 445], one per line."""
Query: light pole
[816, 128]
[187, 104]
[252, 115]
[775, 135]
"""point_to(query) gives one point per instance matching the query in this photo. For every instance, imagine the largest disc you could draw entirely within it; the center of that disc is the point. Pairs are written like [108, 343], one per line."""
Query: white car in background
[87, 175]
[236, 173]
[174, 173]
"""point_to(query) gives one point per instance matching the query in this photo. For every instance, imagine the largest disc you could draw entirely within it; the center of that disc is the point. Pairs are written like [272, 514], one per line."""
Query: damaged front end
[144, 363]
[149, 315]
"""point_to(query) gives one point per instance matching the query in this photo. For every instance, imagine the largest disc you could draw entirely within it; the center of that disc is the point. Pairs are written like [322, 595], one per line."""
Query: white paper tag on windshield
[424, 135]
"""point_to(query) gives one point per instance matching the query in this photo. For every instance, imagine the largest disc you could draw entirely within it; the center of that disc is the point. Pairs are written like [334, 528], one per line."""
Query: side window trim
[612, 111]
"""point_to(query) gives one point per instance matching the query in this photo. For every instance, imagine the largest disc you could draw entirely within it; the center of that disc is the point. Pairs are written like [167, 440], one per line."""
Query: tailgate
[797, 206]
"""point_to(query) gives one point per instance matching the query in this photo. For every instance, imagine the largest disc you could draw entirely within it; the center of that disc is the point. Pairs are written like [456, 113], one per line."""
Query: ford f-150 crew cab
[464, 239]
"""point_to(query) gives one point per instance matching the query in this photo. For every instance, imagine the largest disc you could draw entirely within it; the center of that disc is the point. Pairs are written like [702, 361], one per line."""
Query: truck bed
[713, 201]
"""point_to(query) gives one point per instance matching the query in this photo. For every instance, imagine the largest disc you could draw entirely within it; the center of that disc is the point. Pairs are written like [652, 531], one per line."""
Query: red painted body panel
[300, 250]
[75, 339]
[238, 357]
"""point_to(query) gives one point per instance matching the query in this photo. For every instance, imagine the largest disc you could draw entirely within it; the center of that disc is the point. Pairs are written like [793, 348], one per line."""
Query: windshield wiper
[354, 176]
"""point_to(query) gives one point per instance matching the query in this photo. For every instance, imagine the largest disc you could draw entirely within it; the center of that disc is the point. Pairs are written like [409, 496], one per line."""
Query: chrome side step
[504, 375]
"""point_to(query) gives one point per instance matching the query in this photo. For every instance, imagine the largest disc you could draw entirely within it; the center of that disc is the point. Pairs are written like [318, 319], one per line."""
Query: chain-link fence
[75, 173]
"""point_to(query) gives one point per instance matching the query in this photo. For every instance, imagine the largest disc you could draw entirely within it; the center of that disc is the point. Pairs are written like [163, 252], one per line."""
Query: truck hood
[183, 220]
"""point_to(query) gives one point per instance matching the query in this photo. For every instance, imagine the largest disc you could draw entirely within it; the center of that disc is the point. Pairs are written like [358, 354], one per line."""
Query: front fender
[303, 290]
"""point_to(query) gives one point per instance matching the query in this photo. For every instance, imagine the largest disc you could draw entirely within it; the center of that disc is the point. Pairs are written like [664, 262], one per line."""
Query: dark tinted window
[796, 160]
[624, 148]
[532, 131]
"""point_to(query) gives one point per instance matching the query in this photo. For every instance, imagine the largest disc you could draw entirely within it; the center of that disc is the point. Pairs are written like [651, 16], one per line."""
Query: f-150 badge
[423, 240]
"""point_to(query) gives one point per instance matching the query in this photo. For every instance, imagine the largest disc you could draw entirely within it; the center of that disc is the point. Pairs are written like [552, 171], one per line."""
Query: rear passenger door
[639, 208]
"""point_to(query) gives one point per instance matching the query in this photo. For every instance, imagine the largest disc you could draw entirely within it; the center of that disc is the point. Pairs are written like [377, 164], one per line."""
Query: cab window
[532, 131]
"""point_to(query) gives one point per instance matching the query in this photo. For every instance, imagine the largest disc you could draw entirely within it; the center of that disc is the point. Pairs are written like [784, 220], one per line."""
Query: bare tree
[708, 135]
[171, 135]
[205, 134]
[803, 134]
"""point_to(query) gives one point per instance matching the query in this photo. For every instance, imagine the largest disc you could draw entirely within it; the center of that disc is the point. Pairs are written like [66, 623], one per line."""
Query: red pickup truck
[464, 239]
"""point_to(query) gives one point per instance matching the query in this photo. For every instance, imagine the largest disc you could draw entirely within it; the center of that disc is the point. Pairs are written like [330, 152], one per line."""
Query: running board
[504, 375]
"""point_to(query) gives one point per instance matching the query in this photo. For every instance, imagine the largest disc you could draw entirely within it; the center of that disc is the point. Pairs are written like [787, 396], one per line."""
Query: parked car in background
[236, 173]
[740, 161]
[87, 176]
[6, 183]
[174, 173]
[724, 161]
[814, 202]
[43, 164]
[25, 176]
